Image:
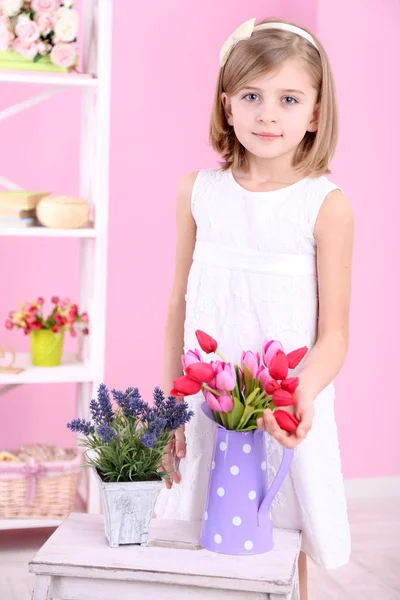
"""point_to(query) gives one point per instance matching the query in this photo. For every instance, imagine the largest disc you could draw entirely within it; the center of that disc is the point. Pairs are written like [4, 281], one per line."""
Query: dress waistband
[239, 260]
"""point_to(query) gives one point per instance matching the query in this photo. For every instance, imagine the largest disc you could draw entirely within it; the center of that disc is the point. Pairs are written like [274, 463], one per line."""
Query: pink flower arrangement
[64, 316]
[37, 28]
[239, 394]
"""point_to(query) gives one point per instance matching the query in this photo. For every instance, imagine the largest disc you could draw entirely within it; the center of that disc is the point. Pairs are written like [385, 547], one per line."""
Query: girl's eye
[291, 100]
[251, 97]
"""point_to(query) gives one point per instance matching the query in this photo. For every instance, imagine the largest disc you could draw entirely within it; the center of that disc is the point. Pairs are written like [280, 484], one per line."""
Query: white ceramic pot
[128, 509]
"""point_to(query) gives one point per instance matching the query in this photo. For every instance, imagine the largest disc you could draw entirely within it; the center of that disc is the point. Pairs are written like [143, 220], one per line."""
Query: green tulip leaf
[233, 417]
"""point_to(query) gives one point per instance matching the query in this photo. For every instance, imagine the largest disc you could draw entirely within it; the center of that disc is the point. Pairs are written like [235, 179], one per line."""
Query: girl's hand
[304, 413]
[174, 451]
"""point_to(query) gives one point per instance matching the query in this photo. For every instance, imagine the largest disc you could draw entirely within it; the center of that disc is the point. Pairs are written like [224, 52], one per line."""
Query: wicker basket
[41, 490]
[64, 212]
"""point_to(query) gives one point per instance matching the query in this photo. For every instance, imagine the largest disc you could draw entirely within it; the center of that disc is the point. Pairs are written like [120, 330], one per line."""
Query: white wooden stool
[76, 563]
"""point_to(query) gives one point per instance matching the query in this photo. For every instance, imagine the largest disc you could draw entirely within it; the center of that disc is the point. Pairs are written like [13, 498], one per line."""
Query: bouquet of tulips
[63, 316]
[238, 395]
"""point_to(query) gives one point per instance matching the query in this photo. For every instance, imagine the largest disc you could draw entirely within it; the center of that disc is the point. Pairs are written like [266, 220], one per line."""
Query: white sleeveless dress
[254, 277]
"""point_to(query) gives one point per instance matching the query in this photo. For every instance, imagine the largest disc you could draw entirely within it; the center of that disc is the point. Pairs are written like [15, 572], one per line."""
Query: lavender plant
[127, 443]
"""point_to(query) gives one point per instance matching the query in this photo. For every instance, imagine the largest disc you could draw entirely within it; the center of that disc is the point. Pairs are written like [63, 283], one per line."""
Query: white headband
[244, 32]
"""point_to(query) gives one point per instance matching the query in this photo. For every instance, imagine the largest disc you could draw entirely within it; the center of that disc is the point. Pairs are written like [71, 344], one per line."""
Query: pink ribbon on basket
[32, 472]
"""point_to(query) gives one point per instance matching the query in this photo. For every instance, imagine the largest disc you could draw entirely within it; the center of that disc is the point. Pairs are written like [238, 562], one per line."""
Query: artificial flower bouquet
[238, 395]
[64, 316]
[40, 31]
[127, 443]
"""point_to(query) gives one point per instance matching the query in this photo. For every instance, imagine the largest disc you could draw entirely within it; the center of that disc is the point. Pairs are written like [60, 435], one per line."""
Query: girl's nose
[267, 114]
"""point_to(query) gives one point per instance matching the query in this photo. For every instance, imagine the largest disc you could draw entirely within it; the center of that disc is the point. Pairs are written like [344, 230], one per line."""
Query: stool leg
[41, 591]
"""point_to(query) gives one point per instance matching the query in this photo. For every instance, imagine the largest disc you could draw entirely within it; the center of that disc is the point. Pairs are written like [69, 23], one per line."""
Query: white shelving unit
[94, 86]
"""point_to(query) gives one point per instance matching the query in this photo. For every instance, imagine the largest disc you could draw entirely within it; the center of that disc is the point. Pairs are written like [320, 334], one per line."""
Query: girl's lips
[267, 136]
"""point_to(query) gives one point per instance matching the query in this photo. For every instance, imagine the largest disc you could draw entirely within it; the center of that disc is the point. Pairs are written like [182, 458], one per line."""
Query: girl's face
[271, 115]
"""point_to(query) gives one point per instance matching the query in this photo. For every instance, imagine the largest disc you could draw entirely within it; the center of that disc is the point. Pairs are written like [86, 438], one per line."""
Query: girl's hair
[262, 53]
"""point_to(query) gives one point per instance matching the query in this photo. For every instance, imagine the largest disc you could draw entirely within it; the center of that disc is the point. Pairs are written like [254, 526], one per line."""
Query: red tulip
[282, 398]
[55, 299]
[286, 421]
[207, 343]
[176, 394]
[278, 368]
[201, 372]
[272, 386]
[186, 385]
[55, 329]
[295, 357]
[290, 385]
[40, 300]
[85, 331]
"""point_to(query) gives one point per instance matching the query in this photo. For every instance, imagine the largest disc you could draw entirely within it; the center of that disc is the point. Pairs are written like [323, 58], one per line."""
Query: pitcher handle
[263, 511]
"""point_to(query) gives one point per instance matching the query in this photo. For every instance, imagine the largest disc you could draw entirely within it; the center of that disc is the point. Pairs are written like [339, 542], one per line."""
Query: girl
[264, 250]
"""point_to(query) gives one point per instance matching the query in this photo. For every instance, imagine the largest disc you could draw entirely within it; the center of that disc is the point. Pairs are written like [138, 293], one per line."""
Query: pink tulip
[264, 376]
[269, 349]
[221, 404]
[9, 324]
[191, 357]
[252, 361]
[85, 318]
[225, 376]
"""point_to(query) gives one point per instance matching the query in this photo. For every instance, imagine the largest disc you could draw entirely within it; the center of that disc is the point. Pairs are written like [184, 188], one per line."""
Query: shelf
[70, 371]
[58, 79]
[38, 231]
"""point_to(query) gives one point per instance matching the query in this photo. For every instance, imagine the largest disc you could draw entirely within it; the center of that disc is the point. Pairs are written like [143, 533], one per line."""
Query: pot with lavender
[124, 445]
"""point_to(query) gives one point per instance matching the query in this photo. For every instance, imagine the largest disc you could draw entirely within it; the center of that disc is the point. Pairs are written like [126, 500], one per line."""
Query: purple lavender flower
[106, 433]
[132, 403]
[81, 426]
[176, 413]
[101, 409]
[148, 439]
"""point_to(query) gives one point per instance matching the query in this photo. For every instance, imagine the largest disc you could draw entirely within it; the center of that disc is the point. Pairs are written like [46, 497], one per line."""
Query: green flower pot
[46, 347]
[10, 60]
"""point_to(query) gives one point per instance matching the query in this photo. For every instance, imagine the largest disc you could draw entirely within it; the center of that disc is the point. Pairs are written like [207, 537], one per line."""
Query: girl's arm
[334, 230]
[185, 241]
[174, 326]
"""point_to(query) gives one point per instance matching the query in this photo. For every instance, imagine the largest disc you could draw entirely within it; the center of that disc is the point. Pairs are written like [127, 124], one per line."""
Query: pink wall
[163, 80]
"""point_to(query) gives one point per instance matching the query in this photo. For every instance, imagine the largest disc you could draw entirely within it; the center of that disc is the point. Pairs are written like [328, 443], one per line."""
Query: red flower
[9, 324]
[55, 299]
[55, 329]
[272, 386]
[279, 367]
[295, 357]
[186, 385]
[207, 343]
[286, 421]
[176, 394]
[200, 372]
[40, 300]
[290, 385]
[282, 398]
[85, 331]
[85, 318]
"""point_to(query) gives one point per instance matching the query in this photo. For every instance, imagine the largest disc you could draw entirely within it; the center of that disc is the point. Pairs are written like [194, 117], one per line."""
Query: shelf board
[70, 371]
[39, 231]
[79, 80]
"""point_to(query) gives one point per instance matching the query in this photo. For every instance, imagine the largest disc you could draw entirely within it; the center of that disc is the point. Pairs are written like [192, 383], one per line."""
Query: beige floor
[372, 574]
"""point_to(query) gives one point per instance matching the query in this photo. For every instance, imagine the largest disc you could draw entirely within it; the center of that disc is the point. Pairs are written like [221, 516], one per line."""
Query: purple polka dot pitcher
[237, 516]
